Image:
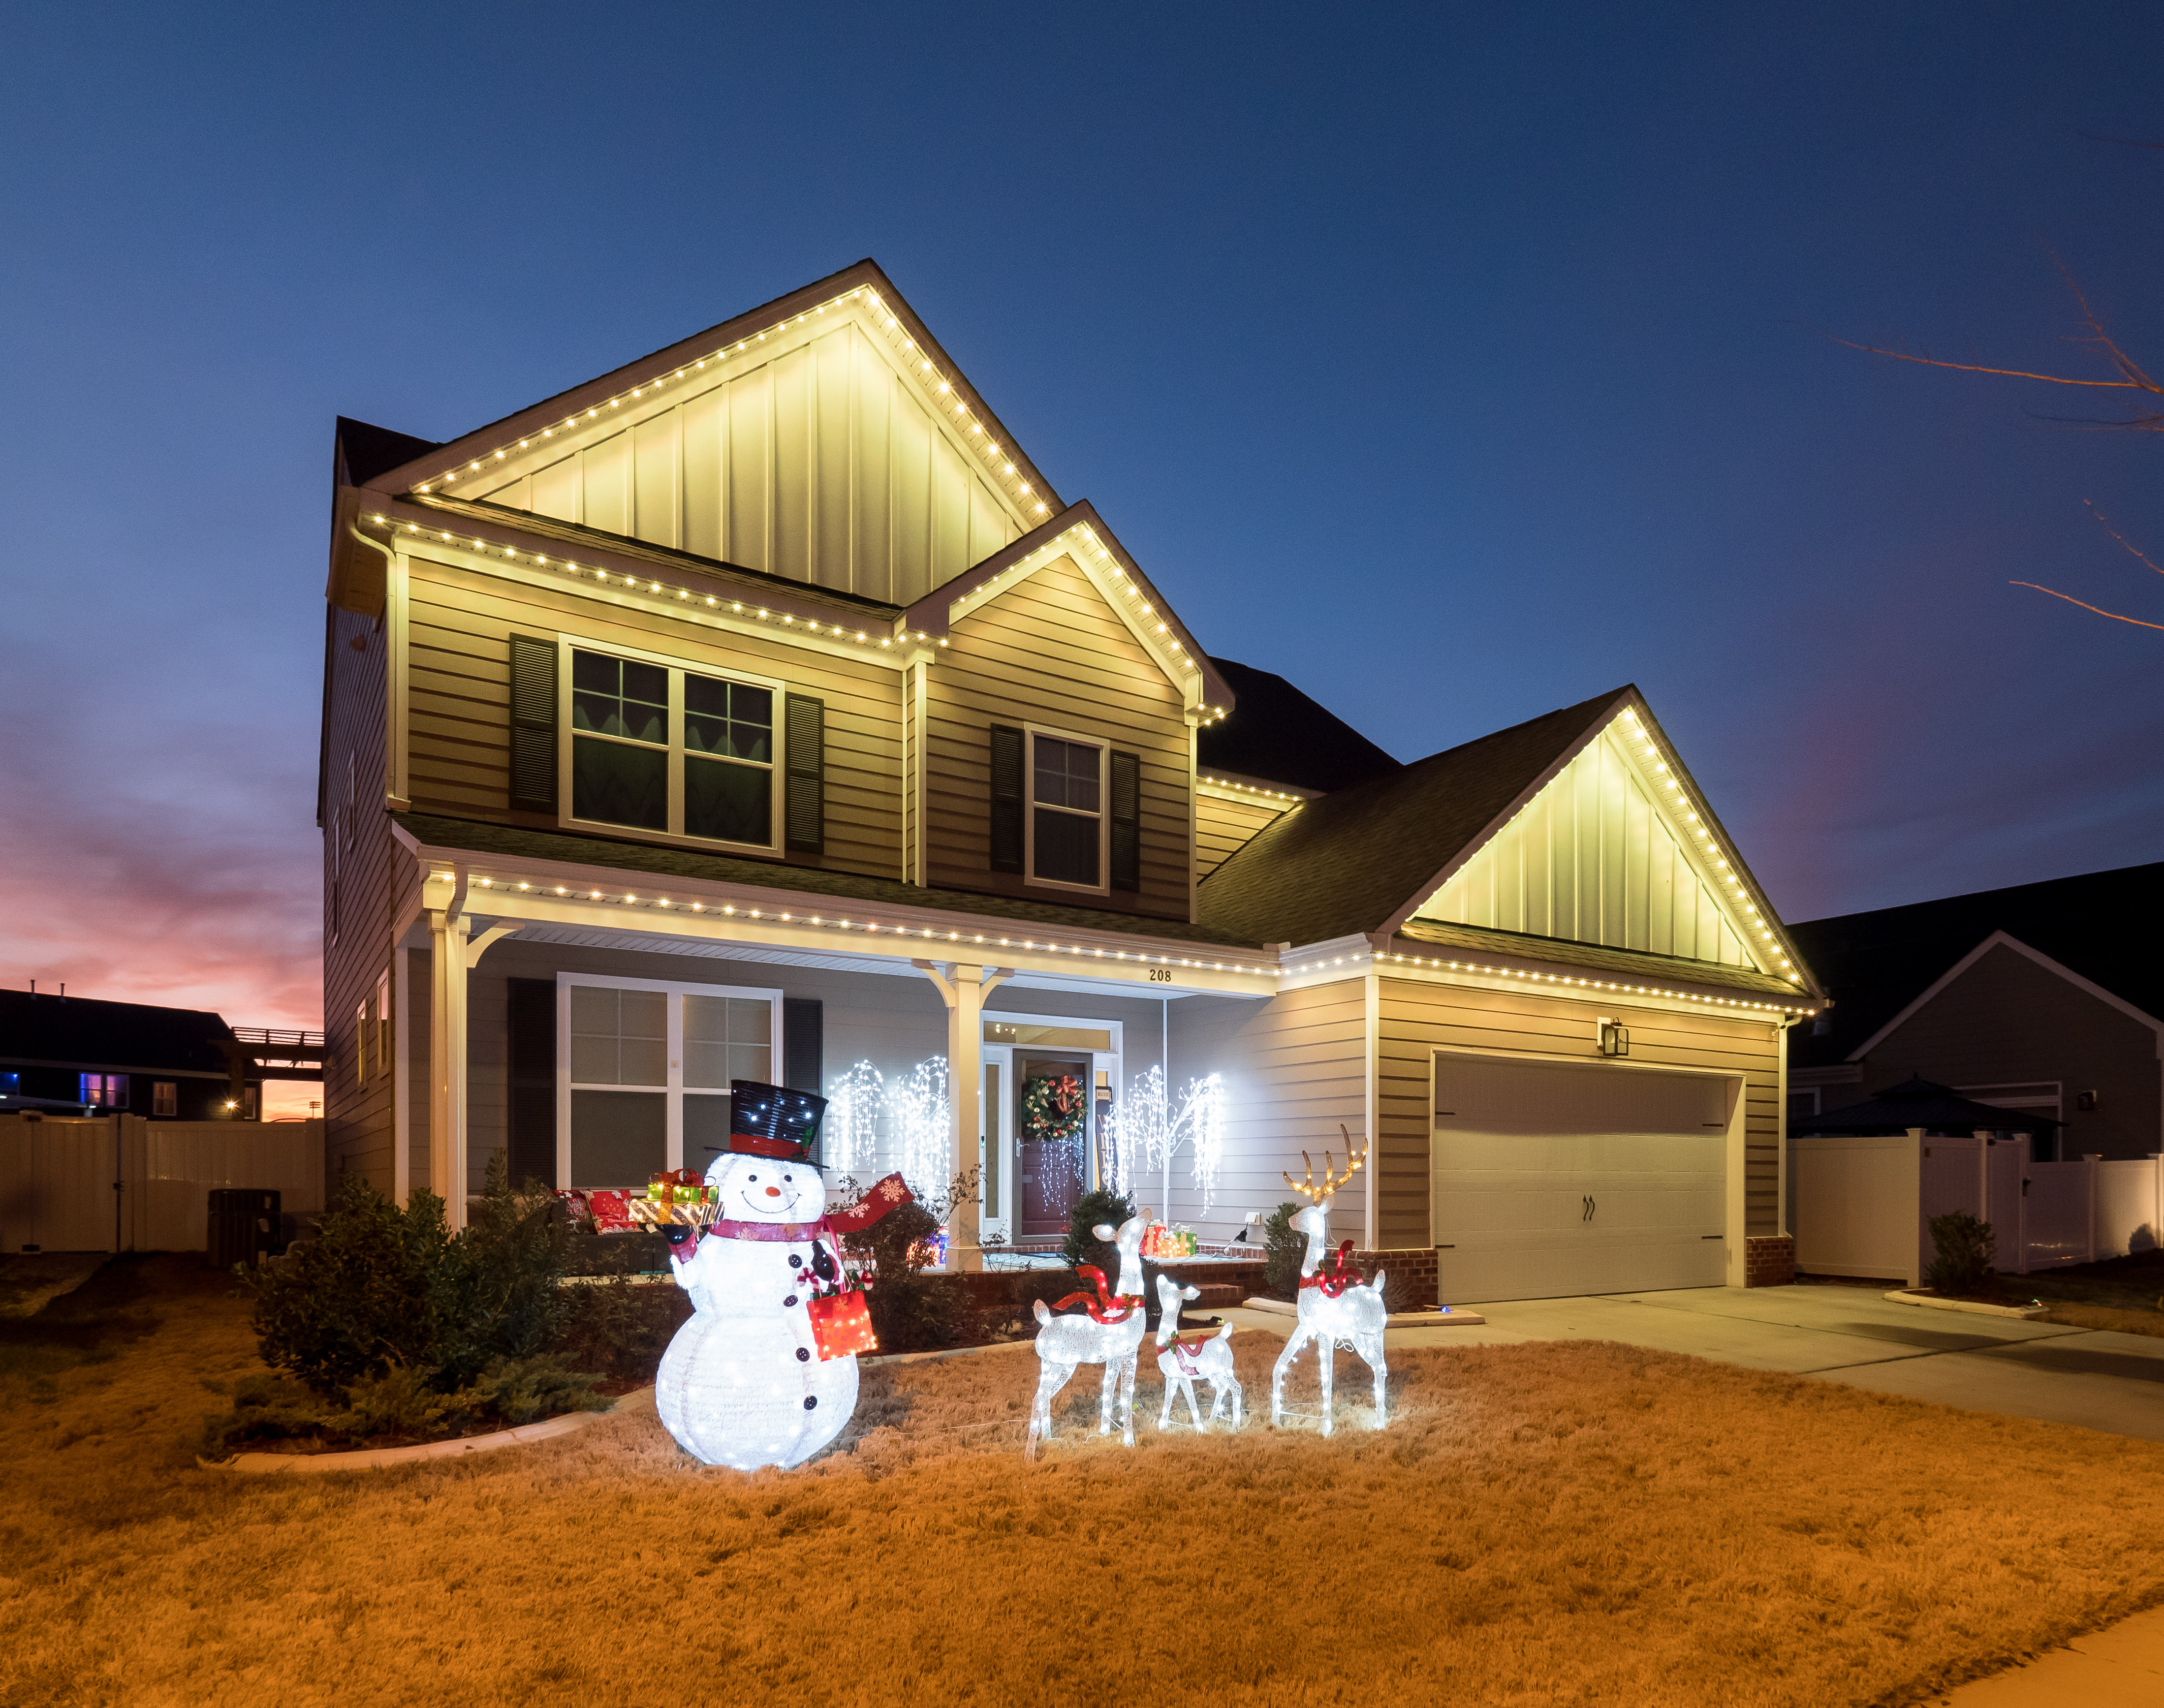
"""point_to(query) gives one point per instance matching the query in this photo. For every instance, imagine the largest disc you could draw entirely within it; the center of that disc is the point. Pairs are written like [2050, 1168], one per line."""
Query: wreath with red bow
[1053, 1110]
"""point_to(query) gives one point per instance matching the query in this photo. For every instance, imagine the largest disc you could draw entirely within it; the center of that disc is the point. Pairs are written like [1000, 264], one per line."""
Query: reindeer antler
[1331, 1180]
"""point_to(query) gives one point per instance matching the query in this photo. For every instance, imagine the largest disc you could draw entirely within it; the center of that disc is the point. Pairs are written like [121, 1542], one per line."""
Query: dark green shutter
[530, 1010]
[532, 723]
[1126, 820]
[1008, 790]
[805, 811]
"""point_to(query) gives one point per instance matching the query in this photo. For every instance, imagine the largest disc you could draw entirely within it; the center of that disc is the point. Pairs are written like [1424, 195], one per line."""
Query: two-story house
[760, 709]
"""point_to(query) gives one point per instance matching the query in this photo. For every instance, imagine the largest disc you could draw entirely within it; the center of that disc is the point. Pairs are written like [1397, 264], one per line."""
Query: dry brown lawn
[1559, 1523]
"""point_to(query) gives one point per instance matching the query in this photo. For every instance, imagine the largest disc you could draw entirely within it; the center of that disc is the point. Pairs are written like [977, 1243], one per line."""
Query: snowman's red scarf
[1334, 1282]
[885, 1195]
[1104, 1308]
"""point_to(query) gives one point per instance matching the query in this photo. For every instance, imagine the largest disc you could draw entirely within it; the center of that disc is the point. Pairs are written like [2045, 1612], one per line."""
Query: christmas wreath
[1053, 1110]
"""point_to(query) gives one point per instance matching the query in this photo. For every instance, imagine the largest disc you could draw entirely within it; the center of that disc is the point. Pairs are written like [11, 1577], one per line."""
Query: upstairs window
[165, 1097]
[619, 742]
[103, 1090]
[1066, 811]
[657, 748]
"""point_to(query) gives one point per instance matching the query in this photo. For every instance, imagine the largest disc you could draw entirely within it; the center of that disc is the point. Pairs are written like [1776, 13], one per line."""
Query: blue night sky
[1458, 362]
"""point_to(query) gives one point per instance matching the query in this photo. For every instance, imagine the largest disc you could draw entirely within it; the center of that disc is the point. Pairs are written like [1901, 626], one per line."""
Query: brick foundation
[1412, 1275]
[1769, 1260]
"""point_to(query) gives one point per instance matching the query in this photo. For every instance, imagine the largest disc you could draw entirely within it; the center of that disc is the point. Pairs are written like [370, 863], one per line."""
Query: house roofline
[2006, 940]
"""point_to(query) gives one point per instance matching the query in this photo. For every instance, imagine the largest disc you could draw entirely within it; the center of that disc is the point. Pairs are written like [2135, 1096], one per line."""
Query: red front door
[1050, 1092]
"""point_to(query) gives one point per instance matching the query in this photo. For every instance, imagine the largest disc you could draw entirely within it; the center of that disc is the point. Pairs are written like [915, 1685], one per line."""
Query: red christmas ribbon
[1104, 1308]
[1186, 1352]
[1334, 1283]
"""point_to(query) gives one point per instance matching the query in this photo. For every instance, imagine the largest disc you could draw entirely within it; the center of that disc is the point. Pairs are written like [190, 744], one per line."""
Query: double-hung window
[1066, 814]
[657, 748]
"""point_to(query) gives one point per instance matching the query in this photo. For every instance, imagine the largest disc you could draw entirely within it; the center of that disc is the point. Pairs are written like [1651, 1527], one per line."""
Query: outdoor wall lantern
[1614, 1038]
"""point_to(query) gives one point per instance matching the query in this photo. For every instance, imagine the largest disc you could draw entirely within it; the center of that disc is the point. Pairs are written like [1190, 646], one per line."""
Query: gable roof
[1345, 864]
[1277, 734]
[2103, 926]
[81, 1031]
[360, 451]
[1918, 1102]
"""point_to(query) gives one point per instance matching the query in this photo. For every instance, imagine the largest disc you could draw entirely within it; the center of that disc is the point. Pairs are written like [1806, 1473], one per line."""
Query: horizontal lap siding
[1050, 652]
[1294, 1070]
[361, 873]
[1222, 828]
[1416, 1019]
[460, 625]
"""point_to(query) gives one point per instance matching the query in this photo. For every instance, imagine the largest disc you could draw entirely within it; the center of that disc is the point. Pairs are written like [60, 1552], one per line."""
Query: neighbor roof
[79, 1032]
[2104, 926]
[1277, 734]
[1918, 1102]
[1345, 863]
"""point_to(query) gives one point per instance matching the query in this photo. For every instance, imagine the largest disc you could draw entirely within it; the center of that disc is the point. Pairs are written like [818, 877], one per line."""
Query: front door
[1052, 1127]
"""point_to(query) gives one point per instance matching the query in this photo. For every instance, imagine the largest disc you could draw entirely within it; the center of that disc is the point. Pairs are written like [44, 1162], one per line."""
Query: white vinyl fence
[1863, 1206]
[58, 1178]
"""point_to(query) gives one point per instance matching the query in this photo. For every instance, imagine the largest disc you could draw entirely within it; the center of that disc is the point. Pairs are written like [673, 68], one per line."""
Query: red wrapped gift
[611, 1211]
[840, 1325]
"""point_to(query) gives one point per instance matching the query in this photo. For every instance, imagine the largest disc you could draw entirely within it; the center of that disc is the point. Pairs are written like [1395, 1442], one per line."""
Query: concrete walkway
[2092, 1378]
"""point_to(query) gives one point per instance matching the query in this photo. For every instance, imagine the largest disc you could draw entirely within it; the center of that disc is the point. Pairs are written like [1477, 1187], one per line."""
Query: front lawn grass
[2126, 1294]
[1562, 1522]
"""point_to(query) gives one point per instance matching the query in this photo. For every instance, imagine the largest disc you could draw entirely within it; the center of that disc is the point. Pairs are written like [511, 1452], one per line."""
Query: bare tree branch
[2085, 606]
[2130, 546]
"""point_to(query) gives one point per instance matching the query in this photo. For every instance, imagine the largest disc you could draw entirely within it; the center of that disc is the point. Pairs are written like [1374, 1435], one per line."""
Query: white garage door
[1553, 1180]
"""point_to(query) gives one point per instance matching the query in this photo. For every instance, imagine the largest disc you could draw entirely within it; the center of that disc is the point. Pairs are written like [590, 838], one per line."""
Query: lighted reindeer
[1182, 1363]
[1109, 1333]
[1335, 1307]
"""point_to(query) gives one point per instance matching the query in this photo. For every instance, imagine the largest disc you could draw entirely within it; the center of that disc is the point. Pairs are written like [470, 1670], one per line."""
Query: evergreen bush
[1081, 1245]
[1964, 1249]
[1285, 1246]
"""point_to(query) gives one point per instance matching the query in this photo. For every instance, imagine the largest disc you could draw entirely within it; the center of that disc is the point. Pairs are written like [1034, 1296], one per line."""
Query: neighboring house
[760, 710]
[73, 1055]
[2044, 999]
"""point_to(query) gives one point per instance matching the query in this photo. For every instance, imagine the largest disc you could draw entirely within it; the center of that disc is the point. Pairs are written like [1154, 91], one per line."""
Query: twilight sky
[1458, 362]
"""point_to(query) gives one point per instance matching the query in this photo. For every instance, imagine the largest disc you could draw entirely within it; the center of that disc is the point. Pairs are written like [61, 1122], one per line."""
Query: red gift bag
[840, 1325]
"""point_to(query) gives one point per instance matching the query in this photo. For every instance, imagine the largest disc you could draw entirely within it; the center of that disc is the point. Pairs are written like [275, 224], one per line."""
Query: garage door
[1552, 1180]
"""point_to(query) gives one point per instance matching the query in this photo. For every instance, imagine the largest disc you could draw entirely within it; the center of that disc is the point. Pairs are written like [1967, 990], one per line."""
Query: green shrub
[1081, 1245]
[1964, 1248]
[399, 1402]
[381, 1289]
[525, 1390]
[1285, 1248]
[909, 1313]
[616, 1327]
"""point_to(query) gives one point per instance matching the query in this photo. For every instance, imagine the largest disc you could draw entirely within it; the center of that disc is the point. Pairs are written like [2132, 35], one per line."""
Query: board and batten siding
[1416, 1019]
[459, 625]
[1295, 1069]
[361, 858]
[821, 464]
[1049, 651]
[1222, 826]
[1593, 858]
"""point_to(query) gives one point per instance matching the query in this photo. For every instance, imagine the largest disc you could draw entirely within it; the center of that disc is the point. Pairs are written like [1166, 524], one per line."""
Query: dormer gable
[825, 438]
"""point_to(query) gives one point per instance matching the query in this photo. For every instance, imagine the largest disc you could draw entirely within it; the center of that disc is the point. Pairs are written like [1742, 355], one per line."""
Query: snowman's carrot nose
[774, 1191]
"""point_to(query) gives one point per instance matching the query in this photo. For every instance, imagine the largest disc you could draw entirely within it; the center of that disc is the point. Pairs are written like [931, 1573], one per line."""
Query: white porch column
[447, 1059]
[963, 989]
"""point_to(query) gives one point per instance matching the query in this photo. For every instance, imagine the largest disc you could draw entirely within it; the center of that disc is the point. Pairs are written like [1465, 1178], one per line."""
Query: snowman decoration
[765, 1371]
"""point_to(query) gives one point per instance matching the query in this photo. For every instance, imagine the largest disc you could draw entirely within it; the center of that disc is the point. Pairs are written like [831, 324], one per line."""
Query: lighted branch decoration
[1145, 1133]
[915, 1112]
[856, 1103]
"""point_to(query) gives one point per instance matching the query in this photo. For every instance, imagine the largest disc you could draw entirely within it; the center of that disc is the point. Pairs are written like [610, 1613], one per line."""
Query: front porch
[585, 1028]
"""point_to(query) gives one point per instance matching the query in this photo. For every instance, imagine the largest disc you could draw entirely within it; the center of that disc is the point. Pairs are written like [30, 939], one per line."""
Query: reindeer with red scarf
[1335, 1307]
[1109, 1333]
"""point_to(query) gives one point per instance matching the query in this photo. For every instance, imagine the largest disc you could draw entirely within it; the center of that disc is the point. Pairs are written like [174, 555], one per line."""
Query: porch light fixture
[1614, 1038]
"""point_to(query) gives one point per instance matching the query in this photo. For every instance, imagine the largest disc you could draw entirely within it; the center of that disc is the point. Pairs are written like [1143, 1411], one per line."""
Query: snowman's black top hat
[773, 1121]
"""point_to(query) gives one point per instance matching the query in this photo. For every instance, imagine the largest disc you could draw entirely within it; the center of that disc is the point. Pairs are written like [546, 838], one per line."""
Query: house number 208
[1160, 976]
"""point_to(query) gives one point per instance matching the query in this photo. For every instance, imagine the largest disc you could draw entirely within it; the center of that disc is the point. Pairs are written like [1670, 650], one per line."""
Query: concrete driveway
[2095, 1378]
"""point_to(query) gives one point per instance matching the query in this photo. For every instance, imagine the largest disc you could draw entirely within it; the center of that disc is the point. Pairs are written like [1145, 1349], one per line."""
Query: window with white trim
[658, 748]
[644, 1067]
[165, 1097]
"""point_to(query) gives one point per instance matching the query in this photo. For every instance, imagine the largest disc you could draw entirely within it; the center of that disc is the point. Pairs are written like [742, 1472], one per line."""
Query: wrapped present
[611, 1211]
[841, 1326]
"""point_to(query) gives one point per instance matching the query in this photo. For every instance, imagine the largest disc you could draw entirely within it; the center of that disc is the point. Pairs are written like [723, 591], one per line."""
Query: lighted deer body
[1109, 1333]
[1182, 1364]
[1335, 1307]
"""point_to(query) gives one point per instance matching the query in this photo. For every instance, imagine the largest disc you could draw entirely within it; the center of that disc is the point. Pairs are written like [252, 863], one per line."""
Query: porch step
[1218, 1298]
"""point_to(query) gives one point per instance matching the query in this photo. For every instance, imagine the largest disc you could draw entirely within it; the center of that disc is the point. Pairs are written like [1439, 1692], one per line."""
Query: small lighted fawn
[1335, 1307]
[1109, 1334]
[1183, 1363]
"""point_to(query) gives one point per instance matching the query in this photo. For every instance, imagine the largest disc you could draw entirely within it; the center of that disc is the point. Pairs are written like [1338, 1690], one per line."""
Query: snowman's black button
[795, 1261]
[803, 1354]
[789, 1301]
[811, 1401]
